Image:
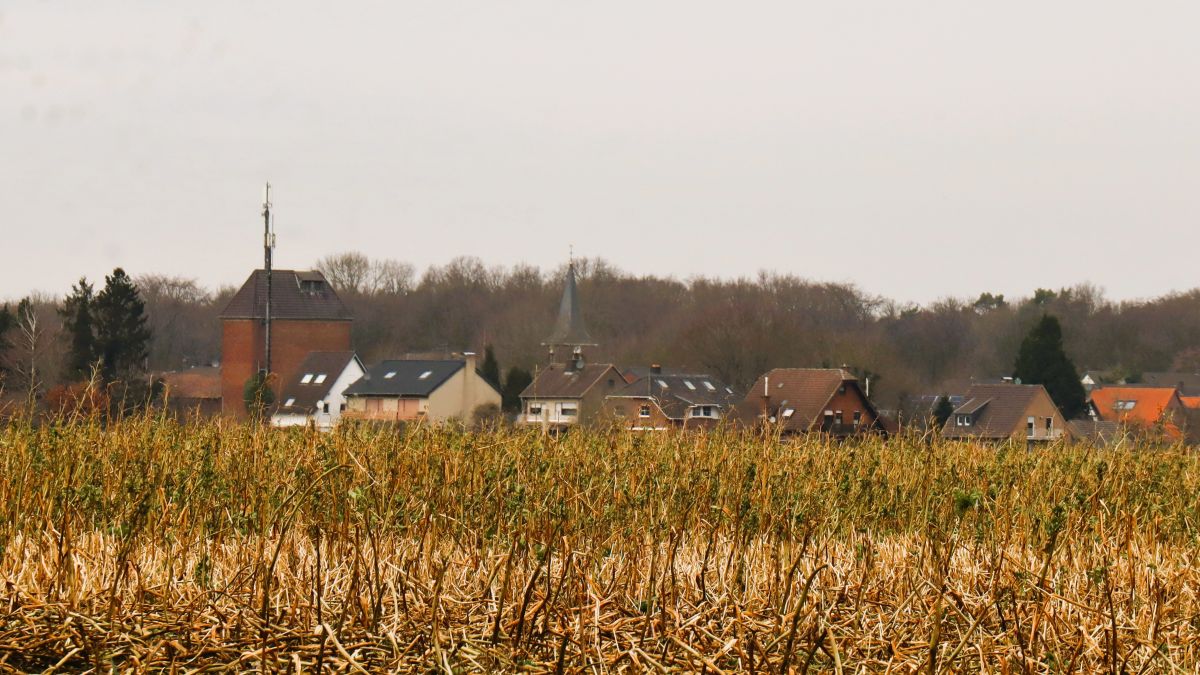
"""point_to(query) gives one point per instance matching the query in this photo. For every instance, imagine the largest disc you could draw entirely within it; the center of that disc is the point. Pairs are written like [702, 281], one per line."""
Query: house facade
[1003, 412]
[566, 394]
[811, 400]
[657, 402]
[421, 390]
[306, 316]
[316, 393]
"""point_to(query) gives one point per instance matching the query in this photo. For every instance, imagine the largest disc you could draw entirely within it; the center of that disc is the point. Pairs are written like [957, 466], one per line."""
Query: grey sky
[917, 149]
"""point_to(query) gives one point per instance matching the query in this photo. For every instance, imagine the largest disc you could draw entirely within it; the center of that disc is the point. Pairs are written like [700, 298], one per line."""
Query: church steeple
[569, 329]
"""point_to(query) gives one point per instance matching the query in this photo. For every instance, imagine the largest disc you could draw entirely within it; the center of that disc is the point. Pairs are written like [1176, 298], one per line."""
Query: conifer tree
[1043, 360]
[77, 315]
[514, 383]
[943, 410]
[490, 368]
[122, 337]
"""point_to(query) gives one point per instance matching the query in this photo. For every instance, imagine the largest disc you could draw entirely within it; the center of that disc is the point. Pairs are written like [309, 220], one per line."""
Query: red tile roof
[1136, 406]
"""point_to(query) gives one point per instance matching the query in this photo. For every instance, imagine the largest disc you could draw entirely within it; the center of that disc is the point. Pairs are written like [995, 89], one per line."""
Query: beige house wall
[459, 396]
[1040, 408]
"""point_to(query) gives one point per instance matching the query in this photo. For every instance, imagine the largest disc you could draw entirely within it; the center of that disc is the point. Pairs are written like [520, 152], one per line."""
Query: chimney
[655, 369]
[469, 381]
[766, 396]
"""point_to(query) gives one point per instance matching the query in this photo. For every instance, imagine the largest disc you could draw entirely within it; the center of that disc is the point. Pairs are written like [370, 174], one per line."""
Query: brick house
[811, 400]
[660, 401]
[563, 395]
[306, 316]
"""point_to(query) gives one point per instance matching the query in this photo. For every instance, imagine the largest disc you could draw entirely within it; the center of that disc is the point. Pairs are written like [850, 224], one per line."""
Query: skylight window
[788, 413]
[728, 390]
[288, 403]
[320, 378]
[425, 375]
[689, 385]
[709, 386]
[390, 374]
[663, 384]
[307, 378]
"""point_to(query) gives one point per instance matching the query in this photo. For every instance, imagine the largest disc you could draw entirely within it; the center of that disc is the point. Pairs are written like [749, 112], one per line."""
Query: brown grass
[145, 545]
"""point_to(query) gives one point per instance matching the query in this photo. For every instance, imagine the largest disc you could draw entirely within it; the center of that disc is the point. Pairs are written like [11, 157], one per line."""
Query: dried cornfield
[146, 545]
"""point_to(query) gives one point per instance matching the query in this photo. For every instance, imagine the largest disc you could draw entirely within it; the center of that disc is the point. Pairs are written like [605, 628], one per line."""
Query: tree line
[734, 329]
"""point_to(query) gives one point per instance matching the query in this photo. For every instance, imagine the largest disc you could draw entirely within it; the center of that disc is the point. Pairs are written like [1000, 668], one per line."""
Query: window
[702, 411]
[689, 385]
[390, 374]
[569, 410]
[644, 411]
[288, 403]
[857, 417]
[962, 420]
[307, 378]
[787, 414]
[1049, 426]
[320, 378]
[325, 407]
[425, 375]
[1124, 405]
[342, 407]
[535, 408]
[1029, 426]
[663, 384]
[728, 390]
[709, 386]
[827, 421]
[842, 389]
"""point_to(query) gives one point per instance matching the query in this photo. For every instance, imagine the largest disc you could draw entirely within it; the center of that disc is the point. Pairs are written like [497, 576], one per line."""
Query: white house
[316, 394]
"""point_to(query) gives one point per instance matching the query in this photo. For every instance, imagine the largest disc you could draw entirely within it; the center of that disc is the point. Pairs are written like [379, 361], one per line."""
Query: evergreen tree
[77, 313]
[514, 383]
[490, 368]
[122, 337]
[1042, 360]
[257, 395]
[943, 410]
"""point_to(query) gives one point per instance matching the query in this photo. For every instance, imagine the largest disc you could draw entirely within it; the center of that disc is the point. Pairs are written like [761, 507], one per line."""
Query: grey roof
[559, 380]
[676, 396]
[569, 329]
[405, 378]
[294, 296]
[306, 394]
[1095, 431]
[1188, 384]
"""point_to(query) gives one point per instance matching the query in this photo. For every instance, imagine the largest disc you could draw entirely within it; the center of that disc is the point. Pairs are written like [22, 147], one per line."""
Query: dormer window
[311, 286]
[963, 420]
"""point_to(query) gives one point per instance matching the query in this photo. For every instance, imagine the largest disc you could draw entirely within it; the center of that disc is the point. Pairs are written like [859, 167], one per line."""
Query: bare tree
[28, 347]
[349, 272]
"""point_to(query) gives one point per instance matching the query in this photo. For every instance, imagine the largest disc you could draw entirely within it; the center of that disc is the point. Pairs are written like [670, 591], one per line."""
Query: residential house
[999, 412]
[659, 401]
[306, 316]
[432, 390]
[807, 400]
[192, 392]
[1141, 408]
[316, 393]
[566, 394]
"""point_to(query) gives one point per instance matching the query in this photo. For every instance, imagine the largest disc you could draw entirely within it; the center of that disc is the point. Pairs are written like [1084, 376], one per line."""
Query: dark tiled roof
[1187, 383]
[803, 390]
[193, 383]
[1095, 431]
[998, 410]
[294, 295]
[405, 378]
[556, 381]
[676, 397]
[306, 394]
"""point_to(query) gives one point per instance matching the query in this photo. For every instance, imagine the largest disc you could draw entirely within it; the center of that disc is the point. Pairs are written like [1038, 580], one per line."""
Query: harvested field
[146, 545]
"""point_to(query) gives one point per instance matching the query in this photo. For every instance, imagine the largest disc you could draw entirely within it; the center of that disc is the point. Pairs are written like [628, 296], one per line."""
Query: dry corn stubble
[143, 544]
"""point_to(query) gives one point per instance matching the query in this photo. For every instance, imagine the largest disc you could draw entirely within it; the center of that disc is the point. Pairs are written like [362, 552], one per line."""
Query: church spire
[569, 329]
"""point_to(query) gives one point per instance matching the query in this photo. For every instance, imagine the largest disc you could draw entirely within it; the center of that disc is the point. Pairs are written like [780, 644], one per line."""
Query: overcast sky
[917, 149]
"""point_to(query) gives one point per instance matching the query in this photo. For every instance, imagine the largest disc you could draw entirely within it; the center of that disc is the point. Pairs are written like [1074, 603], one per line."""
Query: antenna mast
[268, 248]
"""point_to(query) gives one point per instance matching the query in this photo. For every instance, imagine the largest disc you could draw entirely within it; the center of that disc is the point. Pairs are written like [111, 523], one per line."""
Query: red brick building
[306, 316]
[811, 400]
